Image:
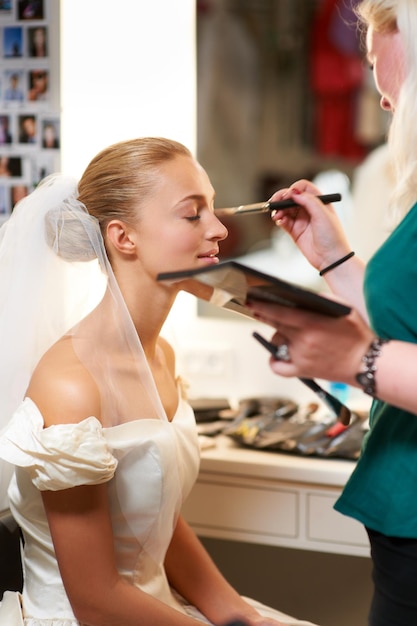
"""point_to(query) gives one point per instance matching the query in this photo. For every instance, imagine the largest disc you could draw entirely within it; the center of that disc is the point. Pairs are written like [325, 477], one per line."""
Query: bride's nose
[217, 229]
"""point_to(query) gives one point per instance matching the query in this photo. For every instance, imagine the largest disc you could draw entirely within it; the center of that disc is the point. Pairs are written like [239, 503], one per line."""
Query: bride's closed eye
[193, 218]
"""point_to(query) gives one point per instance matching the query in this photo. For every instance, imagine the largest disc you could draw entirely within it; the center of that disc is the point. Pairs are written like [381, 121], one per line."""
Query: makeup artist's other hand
[314, 226]
[319, 346]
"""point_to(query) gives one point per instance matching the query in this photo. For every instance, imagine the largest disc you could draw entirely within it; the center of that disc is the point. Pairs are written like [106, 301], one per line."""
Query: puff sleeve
[60, 456]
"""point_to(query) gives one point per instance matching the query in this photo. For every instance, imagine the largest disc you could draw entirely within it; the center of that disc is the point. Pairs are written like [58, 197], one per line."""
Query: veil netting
[56, 280]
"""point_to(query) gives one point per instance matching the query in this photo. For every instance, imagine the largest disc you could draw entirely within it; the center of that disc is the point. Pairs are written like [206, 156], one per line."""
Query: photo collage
[29, 99]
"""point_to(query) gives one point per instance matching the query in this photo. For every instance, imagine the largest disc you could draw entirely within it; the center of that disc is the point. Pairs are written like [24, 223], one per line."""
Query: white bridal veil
[54, 272]
[55, 279]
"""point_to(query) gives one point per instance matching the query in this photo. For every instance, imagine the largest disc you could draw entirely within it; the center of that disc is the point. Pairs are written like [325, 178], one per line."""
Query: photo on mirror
[30, 10]
[10, 166]
[38, 85]
[14, 86]
[37, 37]
[27, 124]
[50, 133]
[17, 192]
[5, 7]
[5, 130]
[42, 164]
[12, 42]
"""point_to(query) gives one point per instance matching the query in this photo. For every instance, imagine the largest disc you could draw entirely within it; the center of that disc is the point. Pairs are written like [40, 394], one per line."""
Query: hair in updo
[113, 186]
[71, 232]
[125, 174]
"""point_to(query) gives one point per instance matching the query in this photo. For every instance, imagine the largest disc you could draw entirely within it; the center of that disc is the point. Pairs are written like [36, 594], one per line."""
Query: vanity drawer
[326, 525]
[254, 509]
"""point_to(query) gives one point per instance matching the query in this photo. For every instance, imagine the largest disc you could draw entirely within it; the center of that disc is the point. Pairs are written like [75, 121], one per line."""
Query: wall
[128, 69]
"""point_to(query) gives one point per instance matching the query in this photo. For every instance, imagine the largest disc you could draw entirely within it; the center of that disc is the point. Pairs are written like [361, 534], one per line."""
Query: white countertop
[226, 457]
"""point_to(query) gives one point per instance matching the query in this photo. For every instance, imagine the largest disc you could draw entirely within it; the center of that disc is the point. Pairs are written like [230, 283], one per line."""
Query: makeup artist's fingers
[288, 218]
[298, 186]
[319, 346]
[305, 186]
[314, 209]
[281, 194]
[315, 228]
[277, 316]
[285, 318]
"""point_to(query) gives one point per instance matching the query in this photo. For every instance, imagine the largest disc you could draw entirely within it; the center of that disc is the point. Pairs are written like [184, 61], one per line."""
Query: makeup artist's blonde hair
[381, 15]
[124, 175]
[386, 16]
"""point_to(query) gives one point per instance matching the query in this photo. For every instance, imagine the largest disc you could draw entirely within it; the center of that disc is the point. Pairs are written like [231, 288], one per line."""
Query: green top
[382, 491]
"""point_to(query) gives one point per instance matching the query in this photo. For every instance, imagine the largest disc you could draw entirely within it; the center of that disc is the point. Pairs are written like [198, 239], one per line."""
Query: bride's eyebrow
[190, 198]
[196, 197]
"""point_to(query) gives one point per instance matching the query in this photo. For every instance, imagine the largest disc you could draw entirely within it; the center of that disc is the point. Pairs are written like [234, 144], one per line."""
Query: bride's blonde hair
[125, 174]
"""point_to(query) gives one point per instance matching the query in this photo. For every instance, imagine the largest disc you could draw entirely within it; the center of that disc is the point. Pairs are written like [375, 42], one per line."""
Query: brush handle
[290, 203]
[264, 207]
[342, 412]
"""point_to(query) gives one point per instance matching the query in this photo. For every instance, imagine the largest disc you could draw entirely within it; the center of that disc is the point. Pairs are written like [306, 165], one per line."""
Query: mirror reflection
[283, 93]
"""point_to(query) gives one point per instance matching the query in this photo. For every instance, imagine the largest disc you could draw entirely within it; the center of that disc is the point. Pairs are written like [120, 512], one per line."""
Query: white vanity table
[274, 499]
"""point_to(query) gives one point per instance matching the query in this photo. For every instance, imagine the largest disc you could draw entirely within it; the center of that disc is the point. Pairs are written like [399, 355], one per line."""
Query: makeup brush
[263, 207]
[341, 411]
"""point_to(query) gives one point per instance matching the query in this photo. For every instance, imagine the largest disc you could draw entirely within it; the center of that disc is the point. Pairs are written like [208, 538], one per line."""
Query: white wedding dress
[150, 466]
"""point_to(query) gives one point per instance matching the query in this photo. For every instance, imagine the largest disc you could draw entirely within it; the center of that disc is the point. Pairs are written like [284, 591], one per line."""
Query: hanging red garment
[337, 75]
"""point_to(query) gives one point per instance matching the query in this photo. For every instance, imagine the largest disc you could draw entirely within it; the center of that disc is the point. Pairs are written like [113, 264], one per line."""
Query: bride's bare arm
[82, 534]
[192, 573]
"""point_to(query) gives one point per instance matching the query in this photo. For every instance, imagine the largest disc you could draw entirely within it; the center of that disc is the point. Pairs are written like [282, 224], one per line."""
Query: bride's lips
[210, 257]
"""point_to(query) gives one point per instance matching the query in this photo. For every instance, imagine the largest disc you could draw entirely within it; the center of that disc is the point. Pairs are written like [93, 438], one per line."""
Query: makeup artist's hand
[319, 346]
[314, 226]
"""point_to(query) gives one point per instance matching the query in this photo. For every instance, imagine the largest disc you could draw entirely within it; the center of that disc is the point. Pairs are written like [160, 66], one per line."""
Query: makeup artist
[374, 347]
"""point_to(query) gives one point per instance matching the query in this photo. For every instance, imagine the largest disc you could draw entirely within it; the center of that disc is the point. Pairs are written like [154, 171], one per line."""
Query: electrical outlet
[211, 362]
[209, 369]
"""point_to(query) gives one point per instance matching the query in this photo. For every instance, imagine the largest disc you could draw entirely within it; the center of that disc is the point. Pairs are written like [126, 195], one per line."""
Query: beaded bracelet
[336, 263]
[366, 378]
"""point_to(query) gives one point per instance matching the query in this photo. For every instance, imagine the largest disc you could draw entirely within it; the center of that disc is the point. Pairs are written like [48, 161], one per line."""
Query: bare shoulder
[62, 388]
[169, 354]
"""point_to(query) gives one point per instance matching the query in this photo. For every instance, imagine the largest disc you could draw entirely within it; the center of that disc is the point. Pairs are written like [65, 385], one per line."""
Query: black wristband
[336, 263]
[366, 379]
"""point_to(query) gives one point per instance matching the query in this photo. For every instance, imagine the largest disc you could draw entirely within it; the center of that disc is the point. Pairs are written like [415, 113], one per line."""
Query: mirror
[282, 94]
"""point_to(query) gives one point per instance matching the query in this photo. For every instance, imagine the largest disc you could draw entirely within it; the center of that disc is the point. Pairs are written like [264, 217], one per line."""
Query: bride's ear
[121, 237]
